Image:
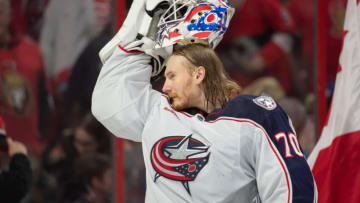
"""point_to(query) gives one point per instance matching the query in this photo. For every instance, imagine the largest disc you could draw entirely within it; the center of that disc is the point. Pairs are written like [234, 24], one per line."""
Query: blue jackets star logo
[265, 102]
[179, 158]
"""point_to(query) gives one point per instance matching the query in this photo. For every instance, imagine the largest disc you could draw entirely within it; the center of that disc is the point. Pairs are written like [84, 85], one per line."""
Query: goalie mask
[155, 26]
[186, 21]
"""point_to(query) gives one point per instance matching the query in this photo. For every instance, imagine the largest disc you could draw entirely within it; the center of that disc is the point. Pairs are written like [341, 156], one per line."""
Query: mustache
[172, 95]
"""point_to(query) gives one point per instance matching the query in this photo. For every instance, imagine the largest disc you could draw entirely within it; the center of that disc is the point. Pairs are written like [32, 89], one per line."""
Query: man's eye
[171, 76]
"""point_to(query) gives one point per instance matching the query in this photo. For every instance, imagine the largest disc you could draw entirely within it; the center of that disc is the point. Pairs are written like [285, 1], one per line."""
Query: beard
[180, 102]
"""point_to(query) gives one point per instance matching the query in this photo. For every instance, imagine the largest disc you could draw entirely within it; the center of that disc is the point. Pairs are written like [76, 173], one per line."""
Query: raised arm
[15, 183]
[123, 98]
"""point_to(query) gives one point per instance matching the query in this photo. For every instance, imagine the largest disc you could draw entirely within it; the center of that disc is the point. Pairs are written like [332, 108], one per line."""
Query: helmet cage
[187, 21]
[176, 12]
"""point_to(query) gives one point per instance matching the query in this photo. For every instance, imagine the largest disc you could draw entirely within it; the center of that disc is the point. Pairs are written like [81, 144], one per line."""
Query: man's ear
[199, 74]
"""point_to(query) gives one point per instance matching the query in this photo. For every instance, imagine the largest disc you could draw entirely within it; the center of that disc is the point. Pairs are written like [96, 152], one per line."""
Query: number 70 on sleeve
[290, 141]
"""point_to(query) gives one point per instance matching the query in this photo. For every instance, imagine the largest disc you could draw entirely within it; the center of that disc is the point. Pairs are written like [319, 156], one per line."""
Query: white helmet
[187, 21]
[191, 20]
[157, 25]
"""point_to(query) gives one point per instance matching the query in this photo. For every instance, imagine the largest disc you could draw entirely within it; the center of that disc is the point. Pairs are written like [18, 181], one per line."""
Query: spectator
[83, 78]
[308, 138]
[296, 111]
[302, 122]
[265, 85]
[134, 170]
[259, 42]
[303, 15]
[68, 27]
[94, 174]
[87, 136]
[27, 16]
[91, 136]
[23, 97]
[14, 183]
[34, 12]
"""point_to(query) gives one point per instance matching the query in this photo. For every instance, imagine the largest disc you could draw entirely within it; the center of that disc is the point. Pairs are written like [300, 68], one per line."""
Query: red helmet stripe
[202, 34]
[196, 10]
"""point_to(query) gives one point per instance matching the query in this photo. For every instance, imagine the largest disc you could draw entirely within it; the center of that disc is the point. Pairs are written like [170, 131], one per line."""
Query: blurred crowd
[49, 65]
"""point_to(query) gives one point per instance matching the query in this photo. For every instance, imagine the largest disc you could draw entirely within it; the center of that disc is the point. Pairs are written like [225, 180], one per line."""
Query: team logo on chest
[179, 158]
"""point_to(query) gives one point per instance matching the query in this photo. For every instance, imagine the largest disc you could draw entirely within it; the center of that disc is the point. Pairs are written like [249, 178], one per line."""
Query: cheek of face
[182, 98]
[83, 142]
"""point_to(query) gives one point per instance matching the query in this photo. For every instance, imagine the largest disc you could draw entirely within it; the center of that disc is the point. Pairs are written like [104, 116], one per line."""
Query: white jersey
[246, 152]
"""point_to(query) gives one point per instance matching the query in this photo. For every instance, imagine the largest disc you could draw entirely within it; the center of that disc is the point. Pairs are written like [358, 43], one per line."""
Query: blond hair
[217, 85]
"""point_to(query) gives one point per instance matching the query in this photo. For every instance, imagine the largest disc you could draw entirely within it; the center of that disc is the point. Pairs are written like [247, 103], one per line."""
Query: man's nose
[166, 88]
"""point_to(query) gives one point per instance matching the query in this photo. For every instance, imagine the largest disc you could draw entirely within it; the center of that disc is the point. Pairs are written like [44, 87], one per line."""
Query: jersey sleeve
[123, 98]
[282, 173]
[275, 157]
[271, 174]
